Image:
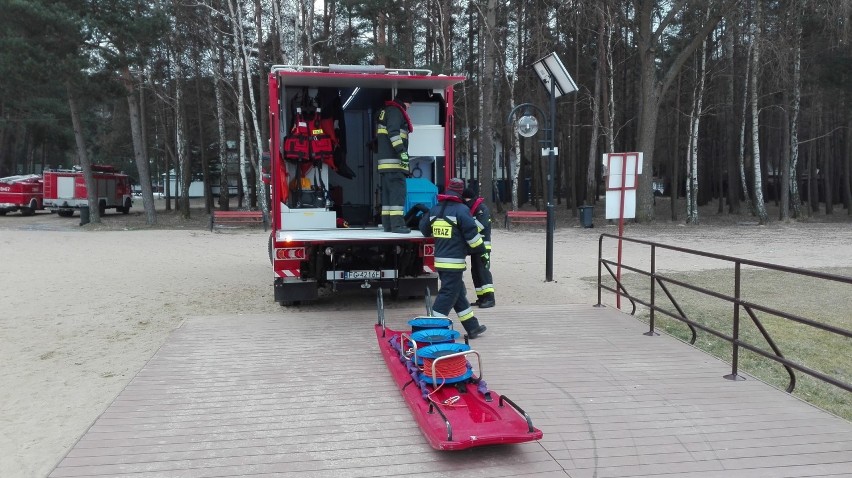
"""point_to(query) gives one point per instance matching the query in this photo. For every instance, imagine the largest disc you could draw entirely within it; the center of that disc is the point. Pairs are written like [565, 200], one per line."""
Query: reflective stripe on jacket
[455, 232]
[392, 137]
[482, 216]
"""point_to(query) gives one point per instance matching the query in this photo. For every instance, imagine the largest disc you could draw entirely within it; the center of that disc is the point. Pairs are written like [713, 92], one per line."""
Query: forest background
[741, 102]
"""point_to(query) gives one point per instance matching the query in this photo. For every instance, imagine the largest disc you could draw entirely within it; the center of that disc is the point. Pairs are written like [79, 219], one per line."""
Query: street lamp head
[527, 125]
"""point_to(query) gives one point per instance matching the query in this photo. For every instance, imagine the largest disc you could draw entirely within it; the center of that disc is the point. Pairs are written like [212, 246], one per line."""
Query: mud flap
[287, 292]
[416, 286]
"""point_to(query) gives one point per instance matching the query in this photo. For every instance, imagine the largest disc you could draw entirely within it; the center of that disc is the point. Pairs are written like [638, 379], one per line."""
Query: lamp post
[555, 77]
[527, 126]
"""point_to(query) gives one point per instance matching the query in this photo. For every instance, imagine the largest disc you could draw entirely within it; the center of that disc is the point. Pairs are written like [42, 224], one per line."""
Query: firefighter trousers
[452, 296]
[482, 280]
[393, 199]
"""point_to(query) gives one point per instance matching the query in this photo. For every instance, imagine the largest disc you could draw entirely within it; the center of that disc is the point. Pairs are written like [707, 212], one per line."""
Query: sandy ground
[83, 308]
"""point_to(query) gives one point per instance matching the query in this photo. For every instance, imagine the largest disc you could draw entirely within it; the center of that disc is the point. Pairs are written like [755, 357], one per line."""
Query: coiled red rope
[446, 368]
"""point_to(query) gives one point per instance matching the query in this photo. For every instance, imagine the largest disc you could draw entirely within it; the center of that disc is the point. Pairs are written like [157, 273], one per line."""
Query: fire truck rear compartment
[334, 264]
[396, 266]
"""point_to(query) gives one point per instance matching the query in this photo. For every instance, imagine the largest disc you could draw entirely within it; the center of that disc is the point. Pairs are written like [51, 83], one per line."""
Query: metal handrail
[662, 280]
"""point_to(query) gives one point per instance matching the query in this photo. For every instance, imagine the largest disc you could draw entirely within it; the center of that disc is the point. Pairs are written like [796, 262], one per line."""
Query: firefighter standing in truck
[392, 129]
[456, 235]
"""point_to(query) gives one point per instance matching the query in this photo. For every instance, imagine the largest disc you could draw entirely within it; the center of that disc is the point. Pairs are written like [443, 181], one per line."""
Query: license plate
[362, 275]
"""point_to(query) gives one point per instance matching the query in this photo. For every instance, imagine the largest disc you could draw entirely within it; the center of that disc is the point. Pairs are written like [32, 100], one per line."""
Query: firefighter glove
[486, 259]
[404, 157]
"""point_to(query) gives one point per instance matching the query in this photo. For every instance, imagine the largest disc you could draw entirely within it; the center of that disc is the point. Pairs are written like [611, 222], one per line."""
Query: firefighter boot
[386, 223]
[486, 301]
[472, 327]
[398, 225]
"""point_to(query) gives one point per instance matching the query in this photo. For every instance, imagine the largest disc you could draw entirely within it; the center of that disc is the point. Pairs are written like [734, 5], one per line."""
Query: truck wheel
[270, 247]
[288, 303]
[31, 209]
[3, 212]
[126, 208]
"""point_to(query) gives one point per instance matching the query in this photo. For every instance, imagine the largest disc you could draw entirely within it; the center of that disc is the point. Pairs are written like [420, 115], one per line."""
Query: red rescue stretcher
[455, 413]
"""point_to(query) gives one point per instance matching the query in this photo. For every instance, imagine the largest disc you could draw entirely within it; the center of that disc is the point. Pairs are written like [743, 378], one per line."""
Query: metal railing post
[653, 272]
[735, 343]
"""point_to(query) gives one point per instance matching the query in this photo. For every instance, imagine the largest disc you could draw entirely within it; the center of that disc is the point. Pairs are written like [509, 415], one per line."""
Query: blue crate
[420, 191]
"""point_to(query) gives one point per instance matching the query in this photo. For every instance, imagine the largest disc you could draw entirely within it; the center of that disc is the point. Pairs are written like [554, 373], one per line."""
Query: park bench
[237, 218]
[525, 217]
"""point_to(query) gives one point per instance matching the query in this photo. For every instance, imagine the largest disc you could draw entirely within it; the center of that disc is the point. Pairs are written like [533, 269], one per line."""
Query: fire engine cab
[65, 190]
[21, 193]
[325, 187]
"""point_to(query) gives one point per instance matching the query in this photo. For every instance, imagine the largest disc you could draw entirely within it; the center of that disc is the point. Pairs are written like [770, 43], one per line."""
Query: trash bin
[586, 215]
[84, 215]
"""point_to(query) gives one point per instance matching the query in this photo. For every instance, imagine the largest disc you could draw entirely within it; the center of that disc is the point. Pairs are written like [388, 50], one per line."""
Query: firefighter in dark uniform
[480, 265]
[456, 236]
[392, 129]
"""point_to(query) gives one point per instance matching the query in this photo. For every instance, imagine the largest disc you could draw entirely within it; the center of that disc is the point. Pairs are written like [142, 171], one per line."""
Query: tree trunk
[742, 143]
[596, 103]
[246, 70]
[486, 144]
[218, 75]
[674, 191]
[795, 197]
[759, 204]
[82, 155]
[692, 155]
[241, 120]
[279, 30]
[609, 91]
[813, 175]
[205, 166]
[847, 166]
[784, 208]
[827, 166]
[654, 85]
[139, 151]
[183, 161]
[733, 193]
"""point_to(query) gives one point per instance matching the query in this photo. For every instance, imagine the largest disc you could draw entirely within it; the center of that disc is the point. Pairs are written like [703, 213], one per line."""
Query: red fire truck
[326, 231]
[21, 193]
[65, 190]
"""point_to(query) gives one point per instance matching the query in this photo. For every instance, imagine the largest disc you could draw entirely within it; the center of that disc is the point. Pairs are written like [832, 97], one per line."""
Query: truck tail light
[289, 253]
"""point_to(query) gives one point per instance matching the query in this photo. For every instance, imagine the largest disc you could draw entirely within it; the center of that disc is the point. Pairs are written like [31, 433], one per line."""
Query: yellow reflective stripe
[451, 259]
[395, 213]
[396, 143]
[381, 131]
[449, 265]
[465, 314]
[475, 242]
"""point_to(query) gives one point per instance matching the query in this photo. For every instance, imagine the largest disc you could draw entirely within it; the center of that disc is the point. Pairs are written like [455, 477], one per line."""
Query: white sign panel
[615, 164]
[613, 204]
[620, 170]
